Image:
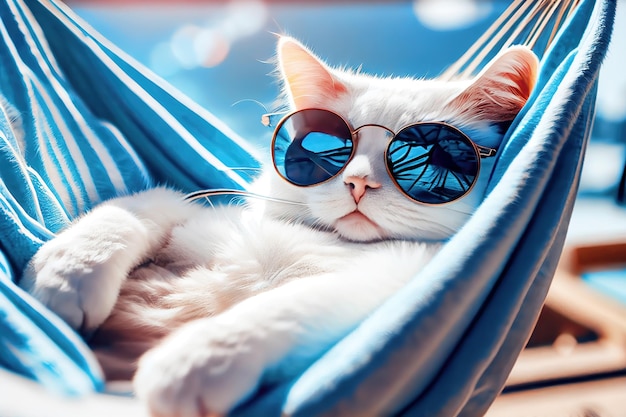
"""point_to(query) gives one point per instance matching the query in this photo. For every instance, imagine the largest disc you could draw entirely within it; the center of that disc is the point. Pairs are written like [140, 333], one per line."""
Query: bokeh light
[208, 45]
[450, 14]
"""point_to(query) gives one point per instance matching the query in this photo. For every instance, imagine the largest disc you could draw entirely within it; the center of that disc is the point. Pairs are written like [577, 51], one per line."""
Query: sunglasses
[429, 162]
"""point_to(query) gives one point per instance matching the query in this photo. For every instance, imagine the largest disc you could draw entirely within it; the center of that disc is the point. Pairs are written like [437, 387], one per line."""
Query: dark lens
[433, 163]
[311, 146]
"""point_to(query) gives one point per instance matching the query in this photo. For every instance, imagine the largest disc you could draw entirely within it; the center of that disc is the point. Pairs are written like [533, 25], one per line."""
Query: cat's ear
[308, 80]
[500, 91]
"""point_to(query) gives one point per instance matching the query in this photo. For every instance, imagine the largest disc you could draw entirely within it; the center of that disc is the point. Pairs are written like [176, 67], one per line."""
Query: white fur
[270, 285]
[219, 360]
[328, 286]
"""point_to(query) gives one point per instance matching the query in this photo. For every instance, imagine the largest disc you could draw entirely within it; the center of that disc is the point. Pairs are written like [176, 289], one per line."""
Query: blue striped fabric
[66, 158]
[443, 346]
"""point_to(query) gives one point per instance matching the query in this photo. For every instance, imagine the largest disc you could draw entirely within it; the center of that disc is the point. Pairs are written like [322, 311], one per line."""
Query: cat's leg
[78, 274]
[210, 365]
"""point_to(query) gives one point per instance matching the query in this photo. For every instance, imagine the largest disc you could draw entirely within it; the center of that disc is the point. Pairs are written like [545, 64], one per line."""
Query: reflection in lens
[433, 163]
[311, 146]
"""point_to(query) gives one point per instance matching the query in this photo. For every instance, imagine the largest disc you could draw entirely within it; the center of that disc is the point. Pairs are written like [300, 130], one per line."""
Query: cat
[200, 305]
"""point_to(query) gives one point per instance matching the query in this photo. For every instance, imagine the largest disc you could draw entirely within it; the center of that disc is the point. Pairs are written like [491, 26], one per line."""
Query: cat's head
[362, 203]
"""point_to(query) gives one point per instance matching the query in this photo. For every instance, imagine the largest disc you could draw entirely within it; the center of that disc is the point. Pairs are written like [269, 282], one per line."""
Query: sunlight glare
[450, 14]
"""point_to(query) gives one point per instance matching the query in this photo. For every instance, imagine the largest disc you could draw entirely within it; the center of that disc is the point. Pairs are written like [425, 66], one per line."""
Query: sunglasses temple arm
[268, 118]
[485, 152]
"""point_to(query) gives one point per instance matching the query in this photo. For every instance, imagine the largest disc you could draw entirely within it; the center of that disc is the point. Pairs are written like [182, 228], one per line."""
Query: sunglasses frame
[480, 151]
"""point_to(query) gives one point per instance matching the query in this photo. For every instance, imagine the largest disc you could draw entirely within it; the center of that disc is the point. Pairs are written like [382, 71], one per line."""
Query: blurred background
[220, 54]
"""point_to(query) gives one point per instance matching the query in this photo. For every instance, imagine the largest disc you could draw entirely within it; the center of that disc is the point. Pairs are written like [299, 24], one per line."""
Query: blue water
[609, 282]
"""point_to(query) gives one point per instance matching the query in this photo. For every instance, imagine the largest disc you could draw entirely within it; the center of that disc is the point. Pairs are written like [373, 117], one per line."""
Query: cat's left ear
[500, 91]
[308, 80]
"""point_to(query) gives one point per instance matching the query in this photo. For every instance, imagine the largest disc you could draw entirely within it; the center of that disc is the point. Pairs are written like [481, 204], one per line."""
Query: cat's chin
[357, 227]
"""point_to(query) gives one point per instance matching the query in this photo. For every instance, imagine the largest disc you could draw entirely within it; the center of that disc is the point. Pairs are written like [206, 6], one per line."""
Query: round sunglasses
[429, 162]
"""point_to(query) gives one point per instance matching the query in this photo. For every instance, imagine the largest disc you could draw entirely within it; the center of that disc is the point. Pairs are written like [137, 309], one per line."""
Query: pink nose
[359, 185]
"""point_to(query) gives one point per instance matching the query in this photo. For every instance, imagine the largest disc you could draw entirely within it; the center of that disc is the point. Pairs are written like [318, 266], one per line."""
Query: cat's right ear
[500, 91]
[309, 82]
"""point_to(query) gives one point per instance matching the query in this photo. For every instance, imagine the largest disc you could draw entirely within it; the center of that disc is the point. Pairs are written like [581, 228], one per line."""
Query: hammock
[97, 124]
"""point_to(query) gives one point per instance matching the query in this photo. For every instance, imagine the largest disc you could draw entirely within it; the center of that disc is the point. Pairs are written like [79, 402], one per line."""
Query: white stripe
[131, 152]
[39, 35]
[95, 143]
[61, 12]
[26, 231]
[40, 127]
[104, 156]
[76, 155]
[50, 195]
[177, 94]
[17, 157]
[53, 171]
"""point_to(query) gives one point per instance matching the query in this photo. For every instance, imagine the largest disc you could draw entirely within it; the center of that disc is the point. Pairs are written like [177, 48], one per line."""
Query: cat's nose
[359, 185]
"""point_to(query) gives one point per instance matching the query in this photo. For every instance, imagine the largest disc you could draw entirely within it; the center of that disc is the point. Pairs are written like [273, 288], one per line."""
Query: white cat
[214, 301]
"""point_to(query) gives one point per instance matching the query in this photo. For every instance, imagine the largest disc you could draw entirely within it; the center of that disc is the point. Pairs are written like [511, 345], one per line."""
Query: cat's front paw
[72, 282]
[203, 369]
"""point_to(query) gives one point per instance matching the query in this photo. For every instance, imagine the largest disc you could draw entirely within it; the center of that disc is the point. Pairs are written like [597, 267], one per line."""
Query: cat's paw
[203, 369]
[71, 282]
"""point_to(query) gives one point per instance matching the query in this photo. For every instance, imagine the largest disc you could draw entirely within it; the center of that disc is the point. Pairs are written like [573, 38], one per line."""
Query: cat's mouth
[357, 226]
[357, 216]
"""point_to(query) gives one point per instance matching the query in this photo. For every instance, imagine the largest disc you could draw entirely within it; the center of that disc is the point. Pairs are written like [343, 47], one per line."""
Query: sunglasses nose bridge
[388, 132]
[372, 138]
[371, 142]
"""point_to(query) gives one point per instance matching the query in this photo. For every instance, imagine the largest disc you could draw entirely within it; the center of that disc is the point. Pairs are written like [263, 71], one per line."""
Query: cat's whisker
[318, 224]
[467, 211]
[236, 200]
[241, 193]
[254, 169]
[250, 100]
